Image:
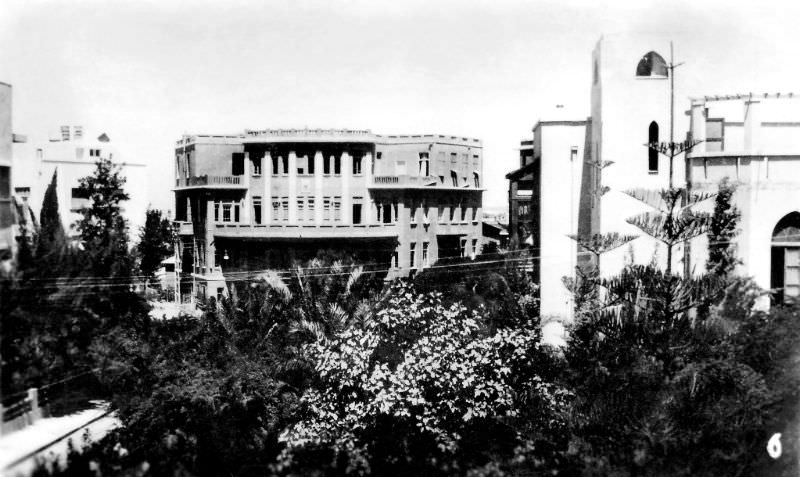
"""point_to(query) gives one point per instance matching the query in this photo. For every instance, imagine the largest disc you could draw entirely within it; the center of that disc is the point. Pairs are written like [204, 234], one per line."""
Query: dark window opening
[652, 152]
[356, 214]
[275, 170]
[237, 163]
[652, 64]
[337, 165]
[285, 161]
[256, 163]
[257, 210]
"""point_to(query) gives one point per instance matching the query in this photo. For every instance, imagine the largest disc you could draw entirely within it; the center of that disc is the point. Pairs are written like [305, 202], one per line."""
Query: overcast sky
[146, 72]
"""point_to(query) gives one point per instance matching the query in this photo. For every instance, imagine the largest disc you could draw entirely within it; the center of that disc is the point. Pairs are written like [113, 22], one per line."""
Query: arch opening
[652, 65]
[652, 154]
[785, 259]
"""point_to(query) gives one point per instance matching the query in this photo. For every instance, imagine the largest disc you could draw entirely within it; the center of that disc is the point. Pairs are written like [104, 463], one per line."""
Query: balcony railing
[211, 181]
[300, 231]
[401, 181]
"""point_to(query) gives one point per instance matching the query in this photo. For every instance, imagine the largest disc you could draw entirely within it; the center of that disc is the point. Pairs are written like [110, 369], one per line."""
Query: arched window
[652, 65]
[785, 263]
[652, 154]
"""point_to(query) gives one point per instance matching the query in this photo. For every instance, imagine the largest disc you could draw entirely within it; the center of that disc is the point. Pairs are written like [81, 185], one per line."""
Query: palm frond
[602, 243]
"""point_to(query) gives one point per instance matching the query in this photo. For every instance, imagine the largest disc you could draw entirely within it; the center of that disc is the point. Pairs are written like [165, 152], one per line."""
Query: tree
[51, 241]
[722, 230]
[156, 242]
[419, 389]
[106, 277]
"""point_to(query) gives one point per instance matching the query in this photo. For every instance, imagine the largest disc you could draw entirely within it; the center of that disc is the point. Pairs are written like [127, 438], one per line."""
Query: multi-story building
[544, 199]
[575, 182]
[73, 154]
[264, 199]
[754, 142]
[6, 205]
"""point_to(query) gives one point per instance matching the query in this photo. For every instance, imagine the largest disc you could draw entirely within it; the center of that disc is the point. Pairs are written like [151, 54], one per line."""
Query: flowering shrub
[416, 386]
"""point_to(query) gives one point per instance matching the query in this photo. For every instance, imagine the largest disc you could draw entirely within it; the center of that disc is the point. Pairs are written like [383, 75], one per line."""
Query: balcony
[303, 231]
[184, 228]
[211, 182]
[417, 182]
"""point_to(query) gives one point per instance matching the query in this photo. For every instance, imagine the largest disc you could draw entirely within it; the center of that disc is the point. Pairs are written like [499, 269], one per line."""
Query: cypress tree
[51, 241]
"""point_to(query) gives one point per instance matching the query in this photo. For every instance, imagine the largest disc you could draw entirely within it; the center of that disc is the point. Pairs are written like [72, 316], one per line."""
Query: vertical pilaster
[698, 128]
[752, 126]
[318, 187]
[292, 187]
[266, 201]
[208, 240]
[347, 200]
[246, 200]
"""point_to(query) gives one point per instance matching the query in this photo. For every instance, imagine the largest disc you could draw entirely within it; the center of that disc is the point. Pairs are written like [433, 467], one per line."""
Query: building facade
[73, 154]
[265, 199]
[545, 197]
[753, 141]
[6, 150]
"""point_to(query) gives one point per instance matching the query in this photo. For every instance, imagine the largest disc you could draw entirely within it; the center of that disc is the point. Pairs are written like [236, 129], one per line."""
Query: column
[292, 187]
[698, 127]
[752, 126]
[246, 200]
[366, 165]
[208, 239]
[347, 201]
[266, 176]
[318, 187]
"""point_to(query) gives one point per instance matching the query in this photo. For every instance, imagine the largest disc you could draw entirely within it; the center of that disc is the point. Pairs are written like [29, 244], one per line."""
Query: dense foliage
[156, 242]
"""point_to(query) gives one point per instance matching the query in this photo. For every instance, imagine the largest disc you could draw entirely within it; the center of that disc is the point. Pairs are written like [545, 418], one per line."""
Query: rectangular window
[412, 251]
[357, 165]
[326, 209]
[236, 208]
[426, 212]
[424, 164]
[216, 211]
[442, 213]
[311, 164]
[573, 154]
[462, 248]
[275, 166]
[424, 254]
[477, 179]
[337, 165]
[302, 165]
[337, 209]
[257, 210]
[237, 163]
[285, 209]
[387, 213]
[454, 178]
[474, 248]
[310, 209]
[226, 212]
[357, 210]
[413, 211]
[453, 160]
[256, 163]
[395, 259]
[5, 184]
[276, 208]
[300, 208]
[326, 165]
[285, 165]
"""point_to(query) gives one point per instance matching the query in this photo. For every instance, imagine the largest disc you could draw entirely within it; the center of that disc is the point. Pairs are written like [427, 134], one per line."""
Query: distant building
[754, 141]
[260, 200]
[9, 209]
[73, 153]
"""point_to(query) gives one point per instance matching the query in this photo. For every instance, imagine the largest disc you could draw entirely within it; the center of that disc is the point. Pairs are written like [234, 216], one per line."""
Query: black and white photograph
[480, 238]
